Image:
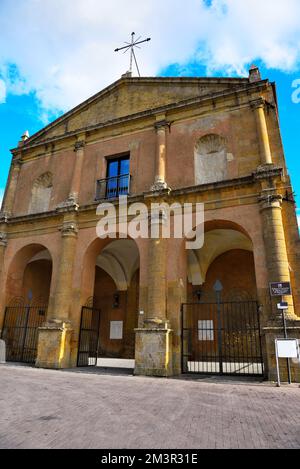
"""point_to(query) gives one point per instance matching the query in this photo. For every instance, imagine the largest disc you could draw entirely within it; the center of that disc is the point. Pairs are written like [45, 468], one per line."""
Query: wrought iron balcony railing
[113, 187]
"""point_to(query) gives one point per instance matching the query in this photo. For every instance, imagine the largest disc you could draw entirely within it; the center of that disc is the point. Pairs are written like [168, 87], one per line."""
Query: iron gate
[20, 332]
[88, 337]
[222, 338]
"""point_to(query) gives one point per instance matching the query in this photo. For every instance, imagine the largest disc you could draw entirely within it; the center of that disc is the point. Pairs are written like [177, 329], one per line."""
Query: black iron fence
[20, 332]
[113, 187]
[88, 337]
[222, 338]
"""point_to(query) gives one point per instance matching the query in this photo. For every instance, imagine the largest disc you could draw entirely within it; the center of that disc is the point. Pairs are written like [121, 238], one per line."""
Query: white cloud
[2, 92]
[1, 197]
[298, 217]
[63, 49]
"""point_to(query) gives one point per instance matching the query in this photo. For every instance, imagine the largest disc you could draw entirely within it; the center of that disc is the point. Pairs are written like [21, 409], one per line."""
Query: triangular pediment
[131, 96]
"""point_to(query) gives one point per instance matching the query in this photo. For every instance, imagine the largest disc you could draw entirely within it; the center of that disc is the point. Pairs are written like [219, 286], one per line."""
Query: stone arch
[117, 268]
[235, 269]
[110, 282]
[210, 159]
[41, 193]
[220, 236]
[30, 271]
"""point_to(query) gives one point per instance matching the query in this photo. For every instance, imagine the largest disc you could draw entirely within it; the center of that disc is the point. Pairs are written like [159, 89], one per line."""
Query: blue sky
[56, 53]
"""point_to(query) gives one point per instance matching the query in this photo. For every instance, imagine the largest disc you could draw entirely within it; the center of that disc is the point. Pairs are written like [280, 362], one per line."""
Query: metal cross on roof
[130, 46]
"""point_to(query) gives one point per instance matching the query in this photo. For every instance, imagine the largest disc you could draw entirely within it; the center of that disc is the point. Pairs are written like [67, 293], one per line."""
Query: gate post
[54, 345]
[218, 288]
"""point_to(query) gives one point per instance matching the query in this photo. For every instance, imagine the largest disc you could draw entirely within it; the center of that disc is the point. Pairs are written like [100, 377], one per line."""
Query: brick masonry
[67, 409]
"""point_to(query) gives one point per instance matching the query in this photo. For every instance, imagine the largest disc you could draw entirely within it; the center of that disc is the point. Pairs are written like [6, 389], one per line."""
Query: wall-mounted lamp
[116, 302]
[198, 294]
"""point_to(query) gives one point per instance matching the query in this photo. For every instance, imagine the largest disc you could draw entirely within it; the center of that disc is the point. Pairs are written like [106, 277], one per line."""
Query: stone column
[161, 127]
[54, 345]
[264, 143]
[278, 271]
[10, 194]
[3, 244]
[77, 171]
[275, 245]
[157, 281]
[153, 355]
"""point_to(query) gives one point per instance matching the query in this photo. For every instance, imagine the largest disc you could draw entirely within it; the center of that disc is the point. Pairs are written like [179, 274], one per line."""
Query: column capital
[16, 165]
[79, 145]
[258, 103]
[3, 239]
[68, 205]
[270, 201]
[69, 229]
[159, 187]
[4, 216]
[158, 218]
[162, 125]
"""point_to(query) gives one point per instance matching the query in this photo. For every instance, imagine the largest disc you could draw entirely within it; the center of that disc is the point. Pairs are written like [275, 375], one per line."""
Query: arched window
[41, 194]
[210, 159]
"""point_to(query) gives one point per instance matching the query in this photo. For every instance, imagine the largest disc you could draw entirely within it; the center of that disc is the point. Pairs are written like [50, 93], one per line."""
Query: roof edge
[122, 80]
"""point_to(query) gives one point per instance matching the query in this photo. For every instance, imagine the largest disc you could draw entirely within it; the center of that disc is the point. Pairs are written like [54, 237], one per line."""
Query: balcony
[113, 187]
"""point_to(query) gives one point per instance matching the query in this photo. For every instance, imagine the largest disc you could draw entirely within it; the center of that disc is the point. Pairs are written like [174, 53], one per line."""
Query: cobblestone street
[81, 409]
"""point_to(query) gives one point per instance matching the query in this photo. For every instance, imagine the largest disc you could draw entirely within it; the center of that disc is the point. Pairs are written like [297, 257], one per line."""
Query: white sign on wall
[206, 331]
[287, 348]
[116, 330]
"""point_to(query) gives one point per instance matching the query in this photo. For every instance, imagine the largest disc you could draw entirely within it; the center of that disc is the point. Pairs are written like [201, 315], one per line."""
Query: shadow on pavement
[99, 370]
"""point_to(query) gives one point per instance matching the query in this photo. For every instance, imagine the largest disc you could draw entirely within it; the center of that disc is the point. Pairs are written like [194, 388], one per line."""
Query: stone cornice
[243, 88]
[31, 217]
[69, 206]
[268, 171]
[146, 80]
[3, 239]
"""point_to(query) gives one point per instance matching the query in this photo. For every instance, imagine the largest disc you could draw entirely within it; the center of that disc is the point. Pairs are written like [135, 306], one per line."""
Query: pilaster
[54, 344]
[275, 246]
[258, 107]
[162, 126]
[9, 197]
[79, 149]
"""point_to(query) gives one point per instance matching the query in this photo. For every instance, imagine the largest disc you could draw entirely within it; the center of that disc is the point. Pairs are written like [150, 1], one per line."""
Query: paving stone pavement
[77, 409]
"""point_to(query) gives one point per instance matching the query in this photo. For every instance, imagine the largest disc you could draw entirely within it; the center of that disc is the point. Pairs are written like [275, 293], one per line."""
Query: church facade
[68, 297]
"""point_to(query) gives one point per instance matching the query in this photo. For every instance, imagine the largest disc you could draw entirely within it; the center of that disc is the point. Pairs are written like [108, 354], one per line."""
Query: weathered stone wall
[37, 279]
[149, 120]
[231, 118]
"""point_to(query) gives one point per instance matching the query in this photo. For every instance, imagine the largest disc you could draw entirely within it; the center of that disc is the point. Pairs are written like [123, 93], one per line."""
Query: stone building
[68, 297]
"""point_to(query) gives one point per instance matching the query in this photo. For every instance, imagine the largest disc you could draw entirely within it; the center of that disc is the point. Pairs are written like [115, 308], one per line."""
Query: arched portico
[221, 323]
[227, 256]
[27, 292]
[110, 278]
